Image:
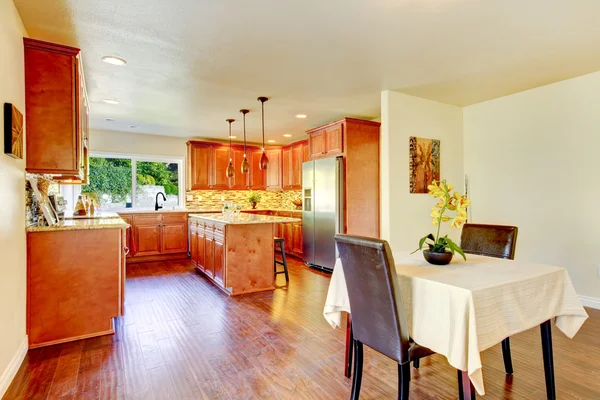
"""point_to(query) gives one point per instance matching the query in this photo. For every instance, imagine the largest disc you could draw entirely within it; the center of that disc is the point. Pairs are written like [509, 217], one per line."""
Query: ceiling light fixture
[264, 160]
[114, 60]
[301, 116]
[232, 137]
[287, 135]
[230, 171]
[111, 101]
[270, 141]
[245, 164]
[133, 126]
[109, 119]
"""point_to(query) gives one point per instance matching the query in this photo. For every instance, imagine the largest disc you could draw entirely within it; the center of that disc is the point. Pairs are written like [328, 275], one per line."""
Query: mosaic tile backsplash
[270, 199]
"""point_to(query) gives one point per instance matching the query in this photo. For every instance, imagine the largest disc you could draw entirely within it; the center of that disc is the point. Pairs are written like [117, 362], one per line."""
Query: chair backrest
[497, 241]
[378, 318]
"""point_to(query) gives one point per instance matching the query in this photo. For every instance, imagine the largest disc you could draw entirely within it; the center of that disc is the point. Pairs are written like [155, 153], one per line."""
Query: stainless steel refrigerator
[322, 210]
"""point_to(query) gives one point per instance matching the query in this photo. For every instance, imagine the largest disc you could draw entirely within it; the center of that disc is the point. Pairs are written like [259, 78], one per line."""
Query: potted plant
[440, 249]
[254, 198]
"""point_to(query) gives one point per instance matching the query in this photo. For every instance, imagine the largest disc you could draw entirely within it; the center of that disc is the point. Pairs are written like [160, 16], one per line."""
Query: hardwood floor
[181, 338]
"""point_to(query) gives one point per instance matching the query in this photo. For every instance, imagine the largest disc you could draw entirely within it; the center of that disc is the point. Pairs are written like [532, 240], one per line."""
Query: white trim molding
[13, 366]
[591, 302]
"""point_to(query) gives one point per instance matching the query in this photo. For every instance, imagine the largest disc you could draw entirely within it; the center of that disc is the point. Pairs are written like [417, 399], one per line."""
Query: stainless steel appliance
[323, 210]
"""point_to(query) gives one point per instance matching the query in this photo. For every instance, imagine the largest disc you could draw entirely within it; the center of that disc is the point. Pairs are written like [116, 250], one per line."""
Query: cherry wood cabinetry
[158, 236]
[207, 251]
[293, 157]
[56, 110]
[75, 284]
[219, 259]
[291, 232]
[296, 242]
[257, 176]
[198, 166]
[358, 142]
[274, 171]
[326, 141]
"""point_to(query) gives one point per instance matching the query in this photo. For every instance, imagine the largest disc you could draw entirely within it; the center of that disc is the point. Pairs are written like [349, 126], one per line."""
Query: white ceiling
[194, 63]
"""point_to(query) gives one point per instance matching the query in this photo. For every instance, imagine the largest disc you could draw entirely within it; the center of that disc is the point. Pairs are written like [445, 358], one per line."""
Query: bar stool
[281, 242]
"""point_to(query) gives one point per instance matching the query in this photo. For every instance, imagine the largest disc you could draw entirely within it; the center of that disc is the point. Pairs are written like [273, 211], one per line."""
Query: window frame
[180, 161]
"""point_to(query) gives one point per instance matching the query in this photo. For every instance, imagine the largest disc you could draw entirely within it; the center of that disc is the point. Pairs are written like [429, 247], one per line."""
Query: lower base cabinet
[208, 250]
[290, 232]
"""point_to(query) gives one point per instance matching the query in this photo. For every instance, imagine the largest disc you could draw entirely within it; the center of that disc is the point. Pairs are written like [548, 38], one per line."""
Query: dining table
[461, 309]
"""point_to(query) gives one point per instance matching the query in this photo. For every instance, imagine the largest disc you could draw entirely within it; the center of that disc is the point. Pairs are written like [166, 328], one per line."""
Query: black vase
[437, 258]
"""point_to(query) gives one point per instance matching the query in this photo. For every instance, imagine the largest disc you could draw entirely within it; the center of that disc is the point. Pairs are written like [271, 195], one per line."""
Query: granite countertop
[245, 219]
[194, 210]
[82, 224]
[97, 215]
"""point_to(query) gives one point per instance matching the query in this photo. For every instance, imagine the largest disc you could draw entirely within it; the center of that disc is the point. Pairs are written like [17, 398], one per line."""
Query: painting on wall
[13, 131]
[424, 163]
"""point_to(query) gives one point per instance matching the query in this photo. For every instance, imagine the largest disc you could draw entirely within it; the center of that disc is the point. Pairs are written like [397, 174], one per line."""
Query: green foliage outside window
[112, 176]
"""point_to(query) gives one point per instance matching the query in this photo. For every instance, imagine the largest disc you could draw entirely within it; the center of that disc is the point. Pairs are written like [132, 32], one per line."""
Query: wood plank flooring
[181, 338]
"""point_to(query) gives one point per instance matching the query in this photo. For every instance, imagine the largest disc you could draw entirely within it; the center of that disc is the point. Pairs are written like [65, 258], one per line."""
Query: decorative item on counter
[43, 202]
[424, 163]
[238, 210]
[254, 198]
[297, 203]
[92, 210]
[228, 210]
[13, 131]
[441, 249]
[79, 207]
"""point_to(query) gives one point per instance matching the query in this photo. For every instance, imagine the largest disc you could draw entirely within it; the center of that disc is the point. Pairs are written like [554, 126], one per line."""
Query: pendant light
[245, 164]
[264, 161]
[230, 171]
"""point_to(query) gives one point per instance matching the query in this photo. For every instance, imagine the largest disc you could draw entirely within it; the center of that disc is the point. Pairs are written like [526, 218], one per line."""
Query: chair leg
[548, 360]
[285, 269]
[403, 381]
[349, 347]
[507, 357]
[358, 366]
[466, 391]
[417, 363]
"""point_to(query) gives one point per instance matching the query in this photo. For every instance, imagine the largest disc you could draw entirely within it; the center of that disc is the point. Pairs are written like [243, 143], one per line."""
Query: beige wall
[404, 216]
[532, 161]
[135, 143]
[12, 200]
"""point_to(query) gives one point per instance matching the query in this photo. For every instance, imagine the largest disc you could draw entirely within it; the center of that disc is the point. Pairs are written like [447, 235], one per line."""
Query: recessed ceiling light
[133, 126]
[109, 119]
[111, 101]
[232, 137]
[270, 141]
[287, 135]
[301, 116]
[114, 60]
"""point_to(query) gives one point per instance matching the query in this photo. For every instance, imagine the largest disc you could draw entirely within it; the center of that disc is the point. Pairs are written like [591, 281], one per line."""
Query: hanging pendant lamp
[245, 163]
[230, 171]
[264, 160]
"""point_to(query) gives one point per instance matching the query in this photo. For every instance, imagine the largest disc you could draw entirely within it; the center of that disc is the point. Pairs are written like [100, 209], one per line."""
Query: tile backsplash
[270, 199]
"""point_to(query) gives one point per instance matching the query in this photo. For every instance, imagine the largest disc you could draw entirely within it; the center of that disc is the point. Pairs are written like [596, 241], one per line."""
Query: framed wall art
[13, 131]
[424, 163]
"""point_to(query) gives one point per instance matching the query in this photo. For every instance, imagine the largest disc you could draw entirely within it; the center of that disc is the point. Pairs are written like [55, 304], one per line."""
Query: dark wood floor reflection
[181, 338]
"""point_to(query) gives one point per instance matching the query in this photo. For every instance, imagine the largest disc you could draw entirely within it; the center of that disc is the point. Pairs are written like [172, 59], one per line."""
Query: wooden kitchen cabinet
[128, 220]
[194, 244]
[219, 162]
[219, 259]
[198, 166]
[274, 171]
[297, 239]
[209, 253]
[326, 141]
[158, 236]
[287, 167]
[293, 157]
[201, 247]
[147, 234]
[257, 176]
[56, 110]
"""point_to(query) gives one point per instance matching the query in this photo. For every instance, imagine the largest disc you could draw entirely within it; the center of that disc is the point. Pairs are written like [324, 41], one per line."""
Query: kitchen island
[236, 253]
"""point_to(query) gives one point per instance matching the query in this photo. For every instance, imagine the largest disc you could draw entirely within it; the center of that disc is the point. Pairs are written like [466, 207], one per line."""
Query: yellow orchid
[448, 201]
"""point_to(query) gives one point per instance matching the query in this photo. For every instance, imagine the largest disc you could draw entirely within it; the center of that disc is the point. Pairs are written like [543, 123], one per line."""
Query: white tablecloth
[464, 308]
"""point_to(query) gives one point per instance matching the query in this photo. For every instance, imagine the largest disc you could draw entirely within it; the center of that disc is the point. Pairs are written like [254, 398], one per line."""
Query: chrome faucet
[156, 206]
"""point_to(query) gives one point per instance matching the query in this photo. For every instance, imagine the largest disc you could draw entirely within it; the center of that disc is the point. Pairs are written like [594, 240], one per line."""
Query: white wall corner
[13, 366]
[591, 302]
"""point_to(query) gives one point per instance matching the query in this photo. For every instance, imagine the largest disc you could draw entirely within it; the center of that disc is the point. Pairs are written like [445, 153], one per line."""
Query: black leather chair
[498, 241]
[378, 318]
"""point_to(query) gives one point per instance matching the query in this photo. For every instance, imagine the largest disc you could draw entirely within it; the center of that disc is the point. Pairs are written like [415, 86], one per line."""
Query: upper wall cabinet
[293, 157]
[326, 141]
[56, 110]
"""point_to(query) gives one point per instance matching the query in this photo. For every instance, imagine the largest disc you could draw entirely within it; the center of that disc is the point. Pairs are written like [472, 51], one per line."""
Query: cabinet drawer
[173, 218]
[219, 229]
[146, 219]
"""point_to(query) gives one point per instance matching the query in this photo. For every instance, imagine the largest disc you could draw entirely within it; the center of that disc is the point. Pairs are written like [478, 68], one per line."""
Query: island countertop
[244, 219]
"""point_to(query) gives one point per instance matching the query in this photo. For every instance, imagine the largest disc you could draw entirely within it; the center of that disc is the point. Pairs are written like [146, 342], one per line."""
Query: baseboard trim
[591, 302]
[13, 366]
